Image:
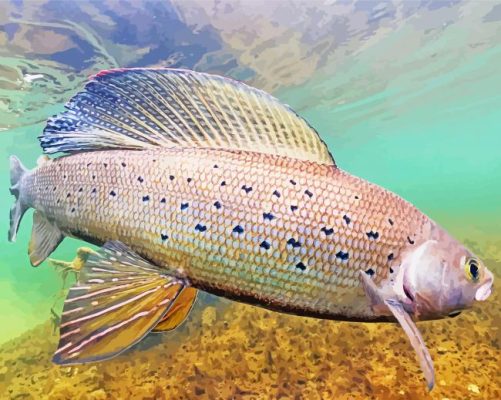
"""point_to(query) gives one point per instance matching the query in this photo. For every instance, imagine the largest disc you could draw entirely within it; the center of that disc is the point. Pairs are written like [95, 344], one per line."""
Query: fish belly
[274, 231]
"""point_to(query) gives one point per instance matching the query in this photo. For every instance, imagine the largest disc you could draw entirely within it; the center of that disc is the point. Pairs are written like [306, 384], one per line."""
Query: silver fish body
[275, 231]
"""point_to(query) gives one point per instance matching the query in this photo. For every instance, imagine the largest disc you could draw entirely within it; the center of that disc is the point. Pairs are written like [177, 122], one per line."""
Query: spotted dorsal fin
[143, 108]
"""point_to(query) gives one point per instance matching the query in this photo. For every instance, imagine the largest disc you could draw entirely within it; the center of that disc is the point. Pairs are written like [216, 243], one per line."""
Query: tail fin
[17, 171]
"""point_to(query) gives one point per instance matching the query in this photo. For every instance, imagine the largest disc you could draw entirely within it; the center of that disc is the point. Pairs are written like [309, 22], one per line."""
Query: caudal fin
[17, 171]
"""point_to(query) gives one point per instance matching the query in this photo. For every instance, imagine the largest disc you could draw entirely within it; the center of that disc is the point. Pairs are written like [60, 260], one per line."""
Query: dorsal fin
[143, 108]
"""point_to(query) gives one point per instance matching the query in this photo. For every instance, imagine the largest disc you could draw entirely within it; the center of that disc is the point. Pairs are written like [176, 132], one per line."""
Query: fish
[192, 182]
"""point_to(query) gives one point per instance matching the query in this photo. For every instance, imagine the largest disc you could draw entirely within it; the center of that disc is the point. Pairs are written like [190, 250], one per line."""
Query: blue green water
[411, 102]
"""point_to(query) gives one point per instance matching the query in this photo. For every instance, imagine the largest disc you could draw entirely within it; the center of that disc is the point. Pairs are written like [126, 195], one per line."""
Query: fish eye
[472, 269]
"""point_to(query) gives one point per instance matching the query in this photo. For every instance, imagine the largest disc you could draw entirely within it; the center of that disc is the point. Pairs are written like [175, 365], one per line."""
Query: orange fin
[118, 300]
[179, 311]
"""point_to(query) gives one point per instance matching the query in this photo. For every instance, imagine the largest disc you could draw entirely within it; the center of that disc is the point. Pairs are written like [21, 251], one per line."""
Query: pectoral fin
[415, 338]
[385, 297]
[118, 300]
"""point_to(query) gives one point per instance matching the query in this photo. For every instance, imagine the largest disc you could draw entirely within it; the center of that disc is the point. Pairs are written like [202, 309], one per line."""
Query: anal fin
[45, 237]
[118, 300]
[179, 310]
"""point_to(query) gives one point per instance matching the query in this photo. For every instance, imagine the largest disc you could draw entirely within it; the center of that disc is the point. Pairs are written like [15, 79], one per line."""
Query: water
[406, 95]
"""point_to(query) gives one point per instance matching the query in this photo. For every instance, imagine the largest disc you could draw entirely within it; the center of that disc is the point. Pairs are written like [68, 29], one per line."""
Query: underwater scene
[404, 94]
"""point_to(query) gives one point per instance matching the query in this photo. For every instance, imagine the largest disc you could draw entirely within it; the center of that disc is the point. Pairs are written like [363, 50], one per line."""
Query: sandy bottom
[233, 351]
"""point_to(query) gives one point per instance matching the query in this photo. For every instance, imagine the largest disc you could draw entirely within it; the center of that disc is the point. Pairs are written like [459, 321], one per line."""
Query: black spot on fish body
[163, 201]
[308, 193]
[370, 272]
[265, 245]
[140, 179]
[124, 165]
[292, 181]
[293, 208]
[171, 177]
[93, 176]
[276, 193]
[164, 237]
[373, 235]
[347, 219]
[217, 204]
[223, 183]
[356, 197]
[390, 221]
[294, 243]
[105, 165]
[188, 180]
[73, 210]
[410, 240]
[89, 164]
[184, 206]
[268, 216]
[68, 195]
[54, 188]
[80, 190]
[247, 189]
[301, 266]
[327, 231]
[342, 255]
[200, 228]
[113, 193]
[390, 256]
[216, 166]
[391, 270]
[94, 191]
[146, 198]
[238, 229]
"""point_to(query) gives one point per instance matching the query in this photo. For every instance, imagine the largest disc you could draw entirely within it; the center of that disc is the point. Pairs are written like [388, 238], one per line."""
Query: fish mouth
[485, 290]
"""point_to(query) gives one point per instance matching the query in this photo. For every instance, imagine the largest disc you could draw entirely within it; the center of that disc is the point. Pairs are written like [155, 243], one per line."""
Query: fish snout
[485, 290]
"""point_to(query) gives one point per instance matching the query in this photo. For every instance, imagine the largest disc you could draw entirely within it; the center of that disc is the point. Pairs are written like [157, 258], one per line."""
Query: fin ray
[415, 339]
[142, 108]
[380, 298]
[45, 237]
[119, 298]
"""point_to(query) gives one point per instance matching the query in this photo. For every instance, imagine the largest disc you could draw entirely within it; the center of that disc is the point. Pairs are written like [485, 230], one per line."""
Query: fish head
[441, 277]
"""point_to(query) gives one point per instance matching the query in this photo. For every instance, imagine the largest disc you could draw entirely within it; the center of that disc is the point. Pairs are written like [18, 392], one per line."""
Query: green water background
[414, 111]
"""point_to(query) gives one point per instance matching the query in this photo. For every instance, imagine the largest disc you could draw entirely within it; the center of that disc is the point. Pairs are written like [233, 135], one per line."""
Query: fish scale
[136, 196]
[193, 181]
